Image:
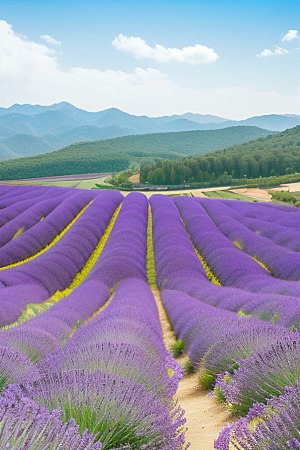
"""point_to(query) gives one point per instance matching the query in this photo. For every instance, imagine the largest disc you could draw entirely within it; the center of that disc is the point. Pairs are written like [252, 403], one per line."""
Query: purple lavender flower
[272, 427]
[24, 425]
[262, 375]
[118, 411]
[14, 366]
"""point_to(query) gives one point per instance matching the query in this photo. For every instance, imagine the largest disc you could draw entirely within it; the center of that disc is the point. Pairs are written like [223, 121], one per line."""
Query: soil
[135, 178]
[205, 417]
[260, 194]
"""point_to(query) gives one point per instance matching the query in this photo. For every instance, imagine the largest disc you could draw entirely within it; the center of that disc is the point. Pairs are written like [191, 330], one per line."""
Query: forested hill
[272, 155]
[118, 153]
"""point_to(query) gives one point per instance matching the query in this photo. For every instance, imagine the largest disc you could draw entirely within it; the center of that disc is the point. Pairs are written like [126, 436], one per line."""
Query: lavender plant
[274, 426]
[239, 342]
[262, 375]
[14, 366]
[117, 411]
[24, 425]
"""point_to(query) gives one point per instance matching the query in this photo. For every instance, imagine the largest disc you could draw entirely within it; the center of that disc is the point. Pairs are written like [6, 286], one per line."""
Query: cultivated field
[96, 288]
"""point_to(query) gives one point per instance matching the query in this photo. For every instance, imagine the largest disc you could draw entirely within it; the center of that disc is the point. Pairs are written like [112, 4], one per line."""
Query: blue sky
[234, 59]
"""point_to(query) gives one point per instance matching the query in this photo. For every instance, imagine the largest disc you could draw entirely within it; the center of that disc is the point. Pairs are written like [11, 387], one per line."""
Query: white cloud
[278, 51]
[50, 39]
[30, 73]
[193, 55]
[292, 34]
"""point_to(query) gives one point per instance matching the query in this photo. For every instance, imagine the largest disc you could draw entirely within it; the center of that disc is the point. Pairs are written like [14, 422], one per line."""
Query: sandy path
[205, 417]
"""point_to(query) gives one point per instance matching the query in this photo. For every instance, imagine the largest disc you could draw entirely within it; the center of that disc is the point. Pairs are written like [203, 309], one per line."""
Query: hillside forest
[269, 156]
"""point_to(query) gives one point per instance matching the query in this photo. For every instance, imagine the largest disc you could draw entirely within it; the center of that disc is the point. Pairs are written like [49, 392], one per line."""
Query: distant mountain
[183, 125]
[118, 153]
[295, 116]
[272, 122]
[29, 110]
[6, 153]
[26, 145]
[5, 131]
[199, 118]
[62, 124]
[39, 123]
[92, 133]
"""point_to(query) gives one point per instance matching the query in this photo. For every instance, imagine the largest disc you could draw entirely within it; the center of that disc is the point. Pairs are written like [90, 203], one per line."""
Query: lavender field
[83, 360]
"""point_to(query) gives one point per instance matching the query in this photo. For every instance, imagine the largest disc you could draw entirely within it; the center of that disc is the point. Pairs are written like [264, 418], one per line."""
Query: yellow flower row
[151, 273]
[210, 275]
[240, 246]
[57, 238]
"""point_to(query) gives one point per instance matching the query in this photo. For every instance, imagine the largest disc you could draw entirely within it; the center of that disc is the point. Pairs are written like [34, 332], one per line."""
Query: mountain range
[27, 130]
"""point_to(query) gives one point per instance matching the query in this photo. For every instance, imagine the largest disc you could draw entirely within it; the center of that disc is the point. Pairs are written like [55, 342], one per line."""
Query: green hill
[118, 153]
[273, 155]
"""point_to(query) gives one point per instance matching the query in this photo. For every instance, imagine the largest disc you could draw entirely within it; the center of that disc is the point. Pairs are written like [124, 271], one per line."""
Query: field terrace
[86, 278]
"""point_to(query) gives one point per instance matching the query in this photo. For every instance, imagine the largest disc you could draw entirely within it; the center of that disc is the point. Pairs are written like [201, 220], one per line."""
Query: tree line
[273, 155]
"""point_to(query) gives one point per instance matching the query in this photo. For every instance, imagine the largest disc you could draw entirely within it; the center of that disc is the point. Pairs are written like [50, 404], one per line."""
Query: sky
[230, 58]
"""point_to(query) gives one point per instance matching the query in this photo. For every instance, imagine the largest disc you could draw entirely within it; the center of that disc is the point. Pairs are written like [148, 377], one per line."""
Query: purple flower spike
[14, 366]
[24, 425]
[272, 427]
[119, 411]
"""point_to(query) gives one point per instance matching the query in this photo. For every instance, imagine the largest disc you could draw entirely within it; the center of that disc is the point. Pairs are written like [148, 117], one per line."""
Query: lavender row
[119, 365]
[28, 218]
[272, 213]
[10, 212]
[176, 262]
[250, 360]
[285, 232]
[127, 330]
[223, 337]
[38, 279]
[43, 232]
[10, 195]
[232, 266]
[47, 332]
[125, 252]
[178, 268]
[283, 263]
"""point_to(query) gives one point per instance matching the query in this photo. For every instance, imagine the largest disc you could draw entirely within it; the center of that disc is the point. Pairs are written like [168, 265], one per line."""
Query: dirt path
[205, 417]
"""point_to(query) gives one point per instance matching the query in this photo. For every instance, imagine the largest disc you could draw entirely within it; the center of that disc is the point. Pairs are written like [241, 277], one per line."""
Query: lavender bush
[116, 411]
[24, 425]
[274, 426]
[262, 375]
